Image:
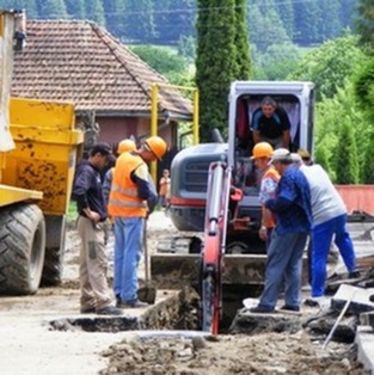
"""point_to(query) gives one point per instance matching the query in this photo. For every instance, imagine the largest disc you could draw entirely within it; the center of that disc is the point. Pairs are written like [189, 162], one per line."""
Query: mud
[261, 354]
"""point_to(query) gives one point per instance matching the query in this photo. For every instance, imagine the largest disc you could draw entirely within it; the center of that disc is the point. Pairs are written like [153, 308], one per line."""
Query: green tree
[347, 12]
[187, 47]
[52, 9]
[176, 20]
[242, 41]
[368, 165]
[265, 29]
[94, 11]
[286, 14]
[364, 81]
[329, 65]
[114, 15]
[306, 22]
[332, 114]
[329, 25]
[75, 8]
[365, 22]
[216, 62]
[364, 88]
[161, 59]
[347, 167]
[277, 62]
[139, 20]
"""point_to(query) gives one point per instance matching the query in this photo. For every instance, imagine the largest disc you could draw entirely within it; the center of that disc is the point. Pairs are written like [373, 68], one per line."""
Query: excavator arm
[216, 216]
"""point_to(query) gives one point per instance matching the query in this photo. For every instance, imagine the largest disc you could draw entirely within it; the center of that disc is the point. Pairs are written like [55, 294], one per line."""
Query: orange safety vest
[275, 176]
[123, 199]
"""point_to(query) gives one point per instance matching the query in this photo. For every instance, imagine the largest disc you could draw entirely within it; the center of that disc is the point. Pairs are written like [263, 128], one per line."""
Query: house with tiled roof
[81, 62]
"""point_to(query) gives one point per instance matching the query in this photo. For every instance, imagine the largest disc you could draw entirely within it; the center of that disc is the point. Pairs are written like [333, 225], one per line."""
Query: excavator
[214, 196]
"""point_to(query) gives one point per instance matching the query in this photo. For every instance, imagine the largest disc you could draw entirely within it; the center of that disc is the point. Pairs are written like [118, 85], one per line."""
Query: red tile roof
[81, 62]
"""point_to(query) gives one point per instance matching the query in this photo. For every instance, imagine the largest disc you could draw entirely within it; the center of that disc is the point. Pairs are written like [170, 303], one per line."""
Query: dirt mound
[261, 354]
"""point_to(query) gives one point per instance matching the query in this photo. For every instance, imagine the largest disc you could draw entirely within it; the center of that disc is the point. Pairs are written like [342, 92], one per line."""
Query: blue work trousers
[284, 265]
[321, 241]
[128, 237]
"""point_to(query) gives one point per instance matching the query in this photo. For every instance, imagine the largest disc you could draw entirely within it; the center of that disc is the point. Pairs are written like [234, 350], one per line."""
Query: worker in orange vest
[132, 197]
[126, 145]
[261, 154]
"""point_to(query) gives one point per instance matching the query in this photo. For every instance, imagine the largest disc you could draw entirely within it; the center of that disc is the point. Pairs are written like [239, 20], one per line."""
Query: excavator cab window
[245, 174]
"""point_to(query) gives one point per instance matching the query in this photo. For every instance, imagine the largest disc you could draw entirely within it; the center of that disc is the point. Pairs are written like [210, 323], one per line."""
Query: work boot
[290, 308]
[88, 310]
[321, 302]
[262, 310]
[136, 304]
[109, 310]
[354, 275]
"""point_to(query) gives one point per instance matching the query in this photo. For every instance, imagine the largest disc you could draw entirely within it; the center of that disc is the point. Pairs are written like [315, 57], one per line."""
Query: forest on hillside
[303, 22]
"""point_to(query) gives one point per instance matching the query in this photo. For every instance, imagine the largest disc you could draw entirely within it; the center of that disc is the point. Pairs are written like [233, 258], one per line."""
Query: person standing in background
[261, 154]
[164, 190]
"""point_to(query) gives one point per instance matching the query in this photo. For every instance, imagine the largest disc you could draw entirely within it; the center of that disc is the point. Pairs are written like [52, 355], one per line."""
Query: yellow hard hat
[157, 145]
[262, 150]
[126, 145]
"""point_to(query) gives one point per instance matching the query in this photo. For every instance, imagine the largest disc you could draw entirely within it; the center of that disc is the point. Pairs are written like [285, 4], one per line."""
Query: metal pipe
[345, 308]
[154, 121]
[195, 123]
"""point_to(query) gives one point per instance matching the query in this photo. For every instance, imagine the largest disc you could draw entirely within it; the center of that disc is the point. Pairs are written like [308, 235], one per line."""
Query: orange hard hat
[126, 145]
[157, 145]
[262, 150]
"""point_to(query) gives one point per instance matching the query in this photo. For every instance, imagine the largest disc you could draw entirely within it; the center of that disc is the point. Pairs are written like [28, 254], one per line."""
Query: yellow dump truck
[38, 148]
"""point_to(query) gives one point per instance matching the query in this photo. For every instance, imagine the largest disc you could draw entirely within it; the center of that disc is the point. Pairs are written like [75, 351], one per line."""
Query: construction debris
[360, 299]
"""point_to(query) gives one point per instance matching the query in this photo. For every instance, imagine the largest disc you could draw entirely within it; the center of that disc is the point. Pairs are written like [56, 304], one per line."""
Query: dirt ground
[269, 353]
[29, 346]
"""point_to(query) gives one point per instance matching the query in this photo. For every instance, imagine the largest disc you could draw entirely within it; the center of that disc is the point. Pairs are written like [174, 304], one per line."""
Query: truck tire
[22, 248]
[54, 252]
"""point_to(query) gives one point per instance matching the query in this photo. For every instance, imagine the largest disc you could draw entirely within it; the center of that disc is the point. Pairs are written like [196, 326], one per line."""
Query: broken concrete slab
[360, 299]
[365, 347]
[344, 332]
[248, 322]
[367, 319]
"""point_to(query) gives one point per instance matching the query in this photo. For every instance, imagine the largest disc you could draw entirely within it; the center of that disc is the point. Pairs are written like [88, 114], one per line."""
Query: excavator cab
[215, 197]
[297, 99]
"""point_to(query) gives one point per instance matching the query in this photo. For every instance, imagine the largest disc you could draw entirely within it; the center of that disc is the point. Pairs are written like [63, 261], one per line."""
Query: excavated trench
[178, 312]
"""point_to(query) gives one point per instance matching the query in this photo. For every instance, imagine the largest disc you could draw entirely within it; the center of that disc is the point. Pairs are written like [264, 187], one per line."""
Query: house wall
[114, 129]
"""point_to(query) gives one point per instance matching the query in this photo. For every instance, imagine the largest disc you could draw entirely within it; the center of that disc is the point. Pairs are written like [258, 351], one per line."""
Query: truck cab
[189, 170]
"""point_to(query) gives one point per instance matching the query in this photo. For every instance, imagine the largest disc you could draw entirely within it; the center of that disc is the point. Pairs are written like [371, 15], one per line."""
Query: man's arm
[256, 136]
[286, 139]
[256, 125]
[286, 126]
[81, 187]
[146, 188]
[107, 185]
[278, 204]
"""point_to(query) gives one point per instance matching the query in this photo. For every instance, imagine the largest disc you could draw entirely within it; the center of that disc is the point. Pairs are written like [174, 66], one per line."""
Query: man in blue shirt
[270, 123]
[293, 212]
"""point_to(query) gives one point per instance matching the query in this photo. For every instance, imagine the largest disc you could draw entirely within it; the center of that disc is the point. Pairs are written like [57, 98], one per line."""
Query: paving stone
[250, 323]
[365, 347]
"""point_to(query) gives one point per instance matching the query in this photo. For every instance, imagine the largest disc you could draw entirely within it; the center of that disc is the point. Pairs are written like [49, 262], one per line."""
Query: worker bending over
[132, 197]
[329, 219]
[293, 222]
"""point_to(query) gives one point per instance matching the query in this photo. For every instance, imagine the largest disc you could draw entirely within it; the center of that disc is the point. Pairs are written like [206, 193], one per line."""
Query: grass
[72, 212]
